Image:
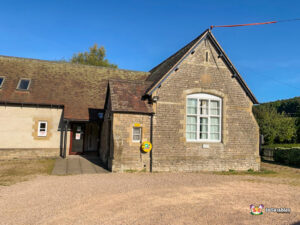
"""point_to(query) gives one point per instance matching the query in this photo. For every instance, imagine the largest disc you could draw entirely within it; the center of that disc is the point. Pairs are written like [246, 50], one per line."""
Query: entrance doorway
[85, 138]
[92, 137]
[77, 138]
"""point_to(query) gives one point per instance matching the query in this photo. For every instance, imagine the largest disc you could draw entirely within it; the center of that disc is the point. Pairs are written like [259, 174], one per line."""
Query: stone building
[194, 108]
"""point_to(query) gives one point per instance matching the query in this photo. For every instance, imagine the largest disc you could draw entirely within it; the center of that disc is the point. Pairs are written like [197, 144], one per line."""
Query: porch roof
[126, 96]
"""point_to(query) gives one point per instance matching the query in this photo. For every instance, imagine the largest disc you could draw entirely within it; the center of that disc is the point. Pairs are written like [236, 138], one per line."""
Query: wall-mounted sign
[137, 124]
[146, 146]
[205, 146]
[77, 136]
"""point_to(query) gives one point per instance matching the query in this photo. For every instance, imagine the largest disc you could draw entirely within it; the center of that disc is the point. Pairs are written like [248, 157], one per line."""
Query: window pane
[191, 128]
[214, 108]
[42, 125]
[1, 81]
[192, 106]
[214, 111]
[214, 121]
[192, 102]
[214, 128]
[203, 135]
[192, 110]
[203, 107]
[136, 131]
[214, 104]
[214, 136]
[203, 128]
[191, 135]
[203, 125]
[203, 120]
[24, 84]
[191, 120]
[136, 137]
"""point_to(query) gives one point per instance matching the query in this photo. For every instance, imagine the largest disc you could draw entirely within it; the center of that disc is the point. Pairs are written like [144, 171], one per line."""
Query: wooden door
[77, 138]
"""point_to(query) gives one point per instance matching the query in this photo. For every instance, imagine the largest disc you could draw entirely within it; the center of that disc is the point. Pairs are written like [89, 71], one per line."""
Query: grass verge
[14, 171]
[135, 171]
[262, 172]
[280, 173]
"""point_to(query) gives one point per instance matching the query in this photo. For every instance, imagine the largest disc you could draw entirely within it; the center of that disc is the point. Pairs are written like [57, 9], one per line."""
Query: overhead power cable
[253, 24]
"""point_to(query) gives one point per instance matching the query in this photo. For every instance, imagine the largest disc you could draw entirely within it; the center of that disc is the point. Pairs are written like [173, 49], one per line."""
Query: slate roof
[76, 87]
[126, 96]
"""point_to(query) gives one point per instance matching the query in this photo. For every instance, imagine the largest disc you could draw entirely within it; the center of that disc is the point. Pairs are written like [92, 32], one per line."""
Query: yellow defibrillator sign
[146, 146]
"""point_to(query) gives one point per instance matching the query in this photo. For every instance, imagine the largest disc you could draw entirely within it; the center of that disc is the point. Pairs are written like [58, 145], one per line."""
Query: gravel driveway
[143, 198]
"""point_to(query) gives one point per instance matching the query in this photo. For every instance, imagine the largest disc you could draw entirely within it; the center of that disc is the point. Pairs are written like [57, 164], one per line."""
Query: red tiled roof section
[77, 87]
[126, 96]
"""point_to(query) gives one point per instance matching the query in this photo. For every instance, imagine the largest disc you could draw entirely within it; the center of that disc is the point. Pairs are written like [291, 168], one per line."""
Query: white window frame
[209, 98]
[39, 129]
[140, 129]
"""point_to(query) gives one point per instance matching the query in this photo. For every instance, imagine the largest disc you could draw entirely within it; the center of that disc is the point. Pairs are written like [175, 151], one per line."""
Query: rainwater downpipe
[151, 140]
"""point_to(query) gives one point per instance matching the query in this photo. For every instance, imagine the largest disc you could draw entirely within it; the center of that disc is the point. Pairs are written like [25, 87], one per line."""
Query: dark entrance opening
[77, 138]
[85, 138]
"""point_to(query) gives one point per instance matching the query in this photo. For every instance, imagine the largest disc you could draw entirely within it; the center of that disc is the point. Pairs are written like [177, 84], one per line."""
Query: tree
[276, 127]
[95, 57]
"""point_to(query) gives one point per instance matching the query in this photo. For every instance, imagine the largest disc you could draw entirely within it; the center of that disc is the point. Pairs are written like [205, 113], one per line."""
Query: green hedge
[289, 156]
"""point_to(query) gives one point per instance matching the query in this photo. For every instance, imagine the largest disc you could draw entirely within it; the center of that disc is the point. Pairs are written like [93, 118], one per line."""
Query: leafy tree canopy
[279, 121]
[95, 57]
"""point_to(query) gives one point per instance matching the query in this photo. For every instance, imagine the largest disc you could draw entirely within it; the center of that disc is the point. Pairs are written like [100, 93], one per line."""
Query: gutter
[6, 103]
[133, 112]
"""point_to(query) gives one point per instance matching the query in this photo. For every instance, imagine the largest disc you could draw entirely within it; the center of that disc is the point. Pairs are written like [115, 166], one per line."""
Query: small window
[1, 81]
[42, 129]
[136, 134]
[206, 56]
[23, 84]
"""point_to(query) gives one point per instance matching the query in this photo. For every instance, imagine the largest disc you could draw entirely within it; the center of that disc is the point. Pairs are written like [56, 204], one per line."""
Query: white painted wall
[18, 127]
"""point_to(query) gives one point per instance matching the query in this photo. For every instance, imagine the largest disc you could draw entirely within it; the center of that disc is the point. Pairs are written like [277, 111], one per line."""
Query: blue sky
[139, 34]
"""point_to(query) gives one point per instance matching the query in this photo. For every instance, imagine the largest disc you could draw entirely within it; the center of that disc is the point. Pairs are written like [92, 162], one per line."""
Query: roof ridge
[129, 81]
[69, 63]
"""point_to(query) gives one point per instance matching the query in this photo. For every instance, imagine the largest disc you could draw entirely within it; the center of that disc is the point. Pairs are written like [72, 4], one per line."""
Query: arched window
[203, 117]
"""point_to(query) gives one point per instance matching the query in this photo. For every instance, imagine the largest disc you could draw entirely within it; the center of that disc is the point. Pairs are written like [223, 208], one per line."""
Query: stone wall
[127, 155]
[239, 148]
